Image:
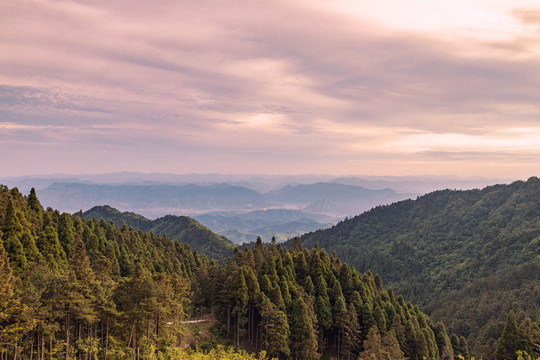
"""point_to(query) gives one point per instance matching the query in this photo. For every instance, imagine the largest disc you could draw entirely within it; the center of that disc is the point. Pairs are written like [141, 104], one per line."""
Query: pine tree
[12, 224]
[13, 323]
[241, 298]
[391, 347]
[443, 342]
[340, 318]
[66, 232]
[16, 254]
[33, 202]
[322, 306]
[529, 333]
[274, 330]
[464, 347]
[508, 343]
[304, 341]
[372, 346]
[49, 246]
[351, 333]
[31, 251]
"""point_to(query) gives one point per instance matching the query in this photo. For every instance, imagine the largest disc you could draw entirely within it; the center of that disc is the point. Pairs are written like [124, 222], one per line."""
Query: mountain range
[467, 257]
[179, 228]
[237, 212]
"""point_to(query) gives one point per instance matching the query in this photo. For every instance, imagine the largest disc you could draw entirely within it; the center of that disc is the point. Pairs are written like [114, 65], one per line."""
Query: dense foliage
[467, 257]
[73, 288]
[305, 304]
[180, 228]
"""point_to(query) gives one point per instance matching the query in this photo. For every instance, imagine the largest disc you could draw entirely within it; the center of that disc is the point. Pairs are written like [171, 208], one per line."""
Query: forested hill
[468, 257]
[180, 228]
[72, 288]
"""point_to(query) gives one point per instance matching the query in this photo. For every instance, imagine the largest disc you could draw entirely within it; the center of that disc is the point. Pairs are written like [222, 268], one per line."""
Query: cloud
[316, 80]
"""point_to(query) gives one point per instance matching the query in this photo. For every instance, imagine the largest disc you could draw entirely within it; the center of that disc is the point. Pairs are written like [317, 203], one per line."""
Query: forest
[467, 258]
[76, 288]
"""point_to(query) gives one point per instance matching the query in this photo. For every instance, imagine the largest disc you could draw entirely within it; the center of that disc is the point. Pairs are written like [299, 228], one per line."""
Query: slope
[468, 257]
[74, 196]
[180, 228]
[344, 199]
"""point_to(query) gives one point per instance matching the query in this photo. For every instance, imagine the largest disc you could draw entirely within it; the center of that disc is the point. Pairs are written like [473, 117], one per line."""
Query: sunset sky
[343, 87]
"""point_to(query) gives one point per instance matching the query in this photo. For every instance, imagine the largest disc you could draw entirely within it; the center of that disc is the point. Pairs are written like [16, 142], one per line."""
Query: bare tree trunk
[131, 337]
[67, 336]
[50, 348]
[256, 336]
[32, 347]
[107, 338]
[238, 329]
[16, 350]
[156, 332]
[228, 320]
[80, 337]
[88, 332]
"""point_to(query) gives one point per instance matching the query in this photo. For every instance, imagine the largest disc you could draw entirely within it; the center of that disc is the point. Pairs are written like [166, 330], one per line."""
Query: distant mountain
[109, 213]
[344, 199]
[74, 196]
[240, 236]
[289, 230]
[417, 184]
[220, 221]
[180, 228]
[468, 257]
[226, 209]
[280, 223]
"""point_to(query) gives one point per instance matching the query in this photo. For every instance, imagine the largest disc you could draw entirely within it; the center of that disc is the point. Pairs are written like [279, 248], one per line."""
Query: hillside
[180, 228]
[73, 288]
[75, 196]
[468, 257]
[338, 199]
[282, 224]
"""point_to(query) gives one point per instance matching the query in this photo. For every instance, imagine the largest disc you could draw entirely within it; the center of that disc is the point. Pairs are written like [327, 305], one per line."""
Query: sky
[342, 87]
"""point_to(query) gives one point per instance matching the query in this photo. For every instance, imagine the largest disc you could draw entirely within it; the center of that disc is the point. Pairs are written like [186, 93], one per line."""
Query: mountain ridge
[180, 228]
[445, 243]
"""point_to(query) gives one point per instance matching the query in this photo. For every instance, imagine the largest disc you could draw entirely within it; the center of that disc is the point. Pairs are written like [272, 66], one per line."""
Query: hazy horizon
[307, 87]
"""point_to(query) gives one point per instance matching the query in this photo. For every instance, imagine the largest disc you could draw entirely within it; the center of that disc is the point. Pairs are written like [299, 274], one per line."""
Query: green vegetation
[467, 257]
[180, 228]
[72, 288]
[306, 304]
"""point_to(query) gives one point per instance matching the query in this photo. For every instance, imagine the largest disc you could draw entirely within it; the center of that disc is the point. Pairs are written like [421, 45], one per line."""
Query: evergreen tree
[13, 324]
[372, 346]
[66, 232]
[508, 343]
[49, 246]
[33, 202]
[351, 333]
[304, 341]
[241, 298]
[31, 251]
[274, 330]
[443, 342]
[12, 224]
[529, 334]
[16, 254]
[322, 306]
[464, 347]
[391, 347]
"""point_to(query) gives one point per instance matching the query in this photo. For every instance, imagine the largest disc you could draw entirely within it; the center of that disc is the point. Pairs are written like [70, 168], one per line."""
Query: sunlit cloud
[307, 86]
